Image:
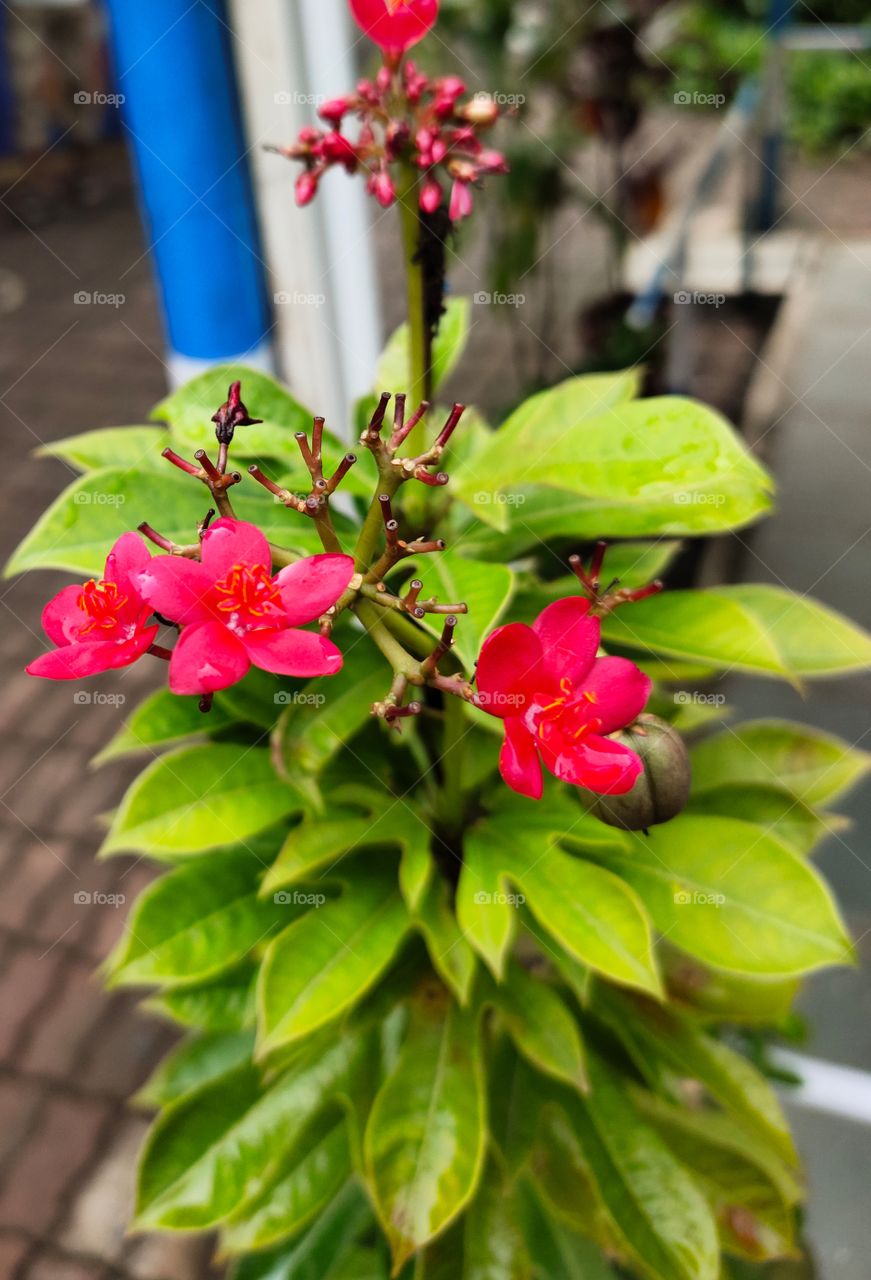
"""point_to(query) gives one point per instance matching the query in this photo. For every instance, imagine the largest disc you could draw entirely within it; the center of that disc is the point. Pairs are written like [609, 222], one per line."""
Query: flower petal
[175, 587]
[598, 764]
[62, 619]
[508, 670]
[312, 584]
[569, 638]
[292, 653]
[127, 559]
[230, 542]
[621, 692]
[76, 660]
[206, 657]
[519, 764]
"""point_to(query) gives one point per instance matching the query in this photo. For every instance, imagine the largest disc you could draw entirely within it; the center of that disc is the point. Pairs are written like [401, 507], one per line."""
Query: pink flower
[461, 200]
[430, 196]
[380, 185]
[100, 625]
[306, 187]
[395, 25]
[234, 613]
[558, 700]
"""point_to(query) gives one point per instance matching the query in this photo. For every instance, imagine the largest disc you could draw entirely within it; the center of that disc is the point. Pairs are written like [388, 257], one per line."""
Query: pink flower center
[247, 597]
[569, 714]
[102, 602]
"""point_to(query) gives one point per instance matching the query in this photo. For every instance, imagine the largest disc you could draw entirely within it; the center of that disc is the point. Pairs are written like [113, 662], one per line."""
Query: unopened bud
[481, 111]
[662, 789]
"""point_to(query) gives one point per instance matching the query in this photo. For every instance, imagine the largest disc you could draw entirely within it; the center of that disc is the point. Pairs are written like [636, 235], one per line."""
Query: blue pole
[181, 116]
[771, 143]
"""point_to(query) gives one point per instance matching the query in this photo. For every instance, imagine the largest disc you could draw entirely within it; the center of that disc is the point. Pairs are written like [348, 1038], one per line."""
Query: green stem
[451, 808]
[400, 660]
[419, 387]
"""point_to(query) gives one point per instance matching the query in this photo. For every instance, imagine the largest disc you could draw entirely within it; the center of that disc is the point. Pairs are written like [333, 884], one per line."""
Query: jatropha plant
[463, 962]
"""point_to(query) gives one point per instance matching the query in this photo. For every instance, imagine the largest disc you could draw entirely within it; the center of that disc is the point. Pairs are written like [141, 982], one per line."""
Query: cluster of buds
[404, 118]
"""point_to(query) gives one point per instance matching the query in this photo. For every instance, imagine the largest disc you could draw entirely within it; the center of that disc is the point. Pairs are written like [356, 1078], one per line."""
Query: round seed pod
[661, 791]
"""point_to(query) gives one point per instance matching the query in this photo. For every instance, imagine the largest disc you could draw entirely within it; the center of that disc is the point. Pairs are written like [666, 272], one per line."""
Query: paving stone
[67, 1027]
[164, 1257]
[51, 1266]
[55, 1156]
[13, 1250]
[29, 876]
[19, 1100]
[26, 980]
[128, 1046]
[100, 1214]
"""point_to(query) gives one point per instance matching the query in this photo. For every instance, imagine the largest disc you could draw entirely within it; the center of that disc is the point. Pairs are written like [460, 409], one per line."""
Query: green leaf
[750, 1191]
[134, 447]
[722, 996]
[541, 1025]
[318, 845]
[325, 1251]
[745, 627]
[731, 894]
[200, 798]
[669, 1049]
[392, 373]
[214, 1148]
[559, 1252]
[78, 529]
[665, 465]
[564, 1180]
[778, 811]
[195, 922]
[161, 719]
[815, 767]
[194, 1062]
[652, 1201]
[225, 1003]
[493, 1243]
[310, 732]
[315, 1170]
[425, 1139]
[596, 917]
[485, 588]
[322, 964]
[451, 954]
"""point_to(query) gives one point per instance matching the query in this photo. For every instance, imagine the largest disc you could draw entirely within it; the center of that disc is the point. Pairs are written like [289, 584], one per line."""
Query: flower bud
[380, 185]
[306, 187]
[481, 111]
[334, 110]
[430, 196]
[662, 789]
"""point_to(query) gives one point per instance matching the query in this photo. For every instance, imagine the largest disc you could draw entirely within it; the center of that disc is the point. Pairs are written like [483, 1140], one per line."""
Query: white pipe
[826, 1086]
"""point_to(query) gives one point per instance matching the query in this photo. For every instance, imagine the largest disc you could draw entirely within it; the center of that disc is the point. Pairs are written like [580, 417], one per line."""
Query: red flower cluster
[559, 701]
[232, 613]
[404, 116]
[395, 25]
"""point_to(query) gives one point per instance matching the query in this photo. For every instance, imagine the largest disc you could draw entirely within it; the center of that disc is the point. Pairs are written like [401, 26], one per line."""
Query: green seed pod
[662, 790]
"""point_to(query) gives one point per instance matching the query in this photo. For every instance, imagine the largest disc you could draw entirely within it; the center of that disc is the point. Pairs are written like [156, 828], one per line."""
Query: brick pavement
[70, 1055]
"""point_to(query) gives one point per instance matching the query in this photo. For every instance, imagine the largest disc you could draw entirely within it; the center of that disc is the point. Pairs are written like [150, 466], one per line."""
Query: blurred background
[689, 190]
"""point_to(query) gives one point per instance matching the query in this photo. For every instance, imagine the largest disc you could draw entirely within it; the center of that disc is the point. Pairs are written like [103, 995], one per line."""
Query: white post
[319, 259]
